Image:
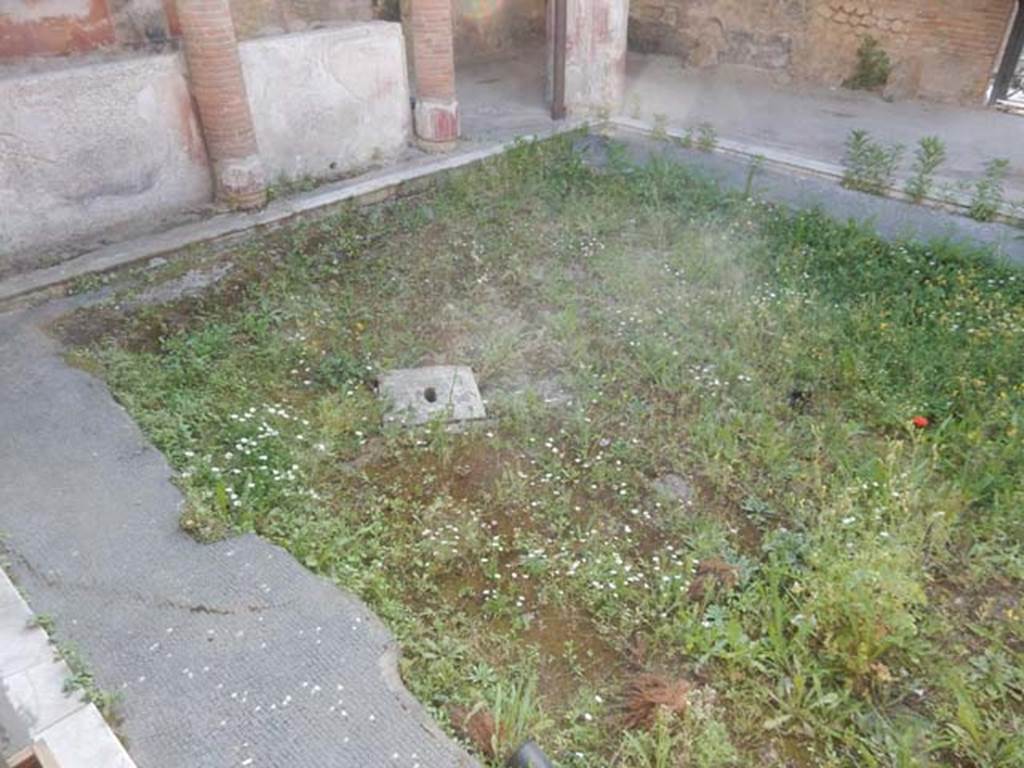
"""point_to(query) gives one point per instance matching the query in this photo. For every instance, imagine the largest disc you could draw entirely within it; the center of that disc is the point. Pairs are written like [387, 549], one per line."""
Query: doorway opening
[1008, 85]
[502, 65]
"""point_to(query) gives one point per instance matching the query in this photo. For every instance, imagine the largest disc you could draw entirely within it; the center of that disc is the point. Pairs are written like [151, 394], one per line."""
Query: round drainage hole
[430, 395]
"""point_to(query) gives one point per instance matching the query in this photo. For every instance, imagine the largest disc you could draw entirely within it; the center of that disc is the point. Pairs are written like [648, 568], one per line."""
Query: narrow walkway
[229, 654]
[892, 219]
[814, 122]
[506, 90]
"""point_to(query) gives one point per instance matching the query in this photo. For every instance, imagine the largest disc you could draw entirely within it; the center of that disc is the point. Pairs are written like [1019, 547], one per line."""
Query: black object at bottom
[529, 755]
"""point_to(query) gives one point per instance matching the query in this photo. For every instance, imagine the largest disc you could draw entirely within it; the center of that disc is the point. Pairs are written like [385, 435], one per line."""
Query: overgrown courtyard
[764, 460]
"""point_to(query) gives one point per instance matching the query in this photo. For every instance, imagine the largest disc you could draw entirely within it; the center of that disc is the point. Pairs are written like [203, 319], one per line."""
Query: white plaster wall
[85, 149]
[328, 102]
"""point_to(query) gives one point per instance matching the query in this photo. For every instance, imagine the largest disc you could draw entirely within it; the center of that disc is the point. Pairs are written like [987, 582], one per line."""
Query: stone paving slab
[35, 709]
[229, 654]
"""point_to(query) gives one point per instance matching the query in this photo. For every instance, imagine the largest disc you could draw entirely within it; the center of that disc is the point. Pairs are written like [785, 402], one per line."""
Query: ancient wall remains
[941, 50]
[67, 27]
[89, 147]
[487, 26]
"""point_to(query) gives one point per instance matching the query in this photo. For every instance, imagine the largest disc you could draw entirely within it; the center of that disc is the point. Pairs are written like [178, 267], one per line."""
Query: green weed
[873, 66]
[707, 137]
[930, 154]
[868, 166]
[628, 323]
[987, 194]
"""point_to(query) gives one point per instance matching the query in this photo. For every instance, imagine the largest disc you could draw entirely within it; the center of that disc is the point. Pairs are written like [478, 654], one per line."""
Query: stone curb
[32, 683]
[365, 190]
[790, 162]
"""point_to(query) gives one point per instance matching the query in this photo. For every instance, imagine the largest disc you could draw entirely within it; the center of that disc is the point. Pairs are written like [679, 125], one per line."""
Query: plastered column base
[437, 124]
[241, 183]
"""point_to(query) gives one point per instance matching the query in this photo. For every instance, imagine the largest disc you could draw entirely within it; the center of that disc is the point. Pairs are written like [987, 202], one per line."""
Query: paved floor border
[790, 162]
[380, 186]
[32, 680]
[365, 190]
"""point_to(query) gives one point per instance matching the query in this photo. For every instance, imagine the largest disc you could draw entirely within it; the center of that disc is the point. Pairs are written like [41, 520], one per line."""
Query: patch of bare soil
[141, 321]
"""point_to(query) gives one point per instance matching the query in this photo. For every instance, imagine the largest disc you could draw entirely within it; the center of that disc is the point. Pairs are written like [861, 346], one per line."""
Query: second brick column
[433, 52]
[215, 76]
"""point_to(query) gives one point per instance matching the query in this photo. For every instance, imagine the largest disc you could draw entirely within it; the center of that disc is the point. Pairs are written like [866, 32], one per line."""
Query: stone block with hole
[418, 395]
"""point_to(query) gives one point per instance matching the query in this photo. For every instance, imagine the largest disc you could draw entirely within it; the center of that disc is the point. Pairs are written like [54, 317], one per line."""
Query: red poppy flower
[920, 422]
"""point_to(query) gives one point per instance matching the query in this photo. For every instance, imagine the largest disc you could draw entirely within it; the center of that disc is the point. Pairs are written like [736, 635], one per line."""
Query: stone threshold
[365, 190]
[792, 163]
[35, 710]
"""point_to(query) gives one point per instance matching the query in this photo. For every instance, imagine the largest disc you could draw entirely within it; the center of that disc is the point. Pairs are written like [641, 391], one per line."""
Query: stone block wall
[257, 18]
[942, 50]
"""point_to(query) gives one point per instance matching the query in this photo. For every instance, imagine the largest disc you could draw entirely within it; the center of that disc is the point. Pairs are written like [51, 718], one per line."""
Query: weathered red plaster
[446, 126]
[171, 11]
[602, 25]
[57, 34]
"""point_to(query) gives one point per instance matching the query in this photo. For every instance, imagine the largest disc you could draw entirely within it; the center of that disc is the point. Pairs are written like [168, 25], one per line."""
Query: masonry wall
[62, 27]
[87, 148]
[114, 148]
[488, 26]
[942, 50]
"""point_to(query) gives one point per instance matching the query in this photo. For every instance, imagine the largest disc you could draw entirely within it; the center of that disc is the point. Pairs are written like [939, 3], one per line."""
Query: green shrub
[862, 602]
[707, 137]
[868, 165]
[873, 66]
[930, 154]
[987, 196]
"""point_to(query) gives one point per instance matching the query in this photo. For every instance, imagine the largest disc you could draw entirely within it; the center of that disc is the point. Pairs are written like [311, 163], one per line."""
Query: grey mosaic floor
[230, 654]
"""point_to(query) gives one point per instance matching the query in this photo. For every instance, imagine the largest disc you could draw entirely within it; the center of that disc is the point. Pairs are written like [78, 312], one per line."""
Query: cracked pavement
[225, 654]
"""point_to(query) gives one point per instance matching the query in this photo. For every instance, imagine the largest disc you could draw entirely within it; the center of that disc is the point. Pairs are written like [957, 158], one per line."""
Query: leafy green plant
[987, 195]
[86, 283]
[660, 127]
[83, 681]
[44, 622]
[517, 713]
[635, 106]
[709, 744]
[868, 165]
[930, 154]
[687, 140]
[868, 607]
[707, 137]
[873, 66]
[697, 738]
[657, 748]
[981, 739]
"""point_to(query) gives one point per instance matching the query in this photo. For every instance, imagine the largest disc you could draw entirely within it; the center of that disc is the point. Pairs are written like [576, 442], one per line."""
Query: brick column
[215, 75]
[437, 110]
